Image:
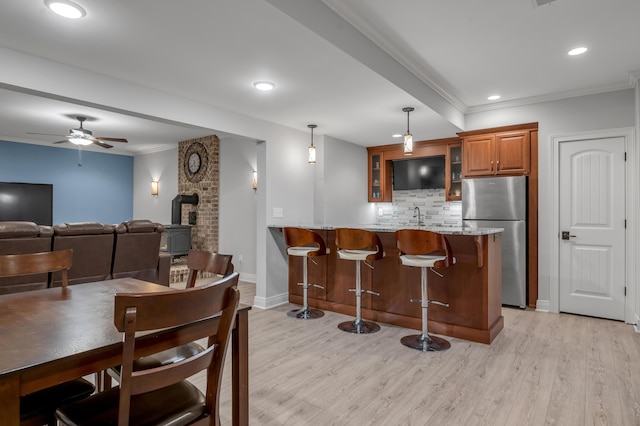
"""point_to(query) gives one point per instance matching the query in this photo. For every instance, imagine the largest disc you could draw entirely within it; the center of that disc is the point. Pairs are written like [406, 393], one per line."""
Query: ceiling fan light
[66, 8]
[80, 141]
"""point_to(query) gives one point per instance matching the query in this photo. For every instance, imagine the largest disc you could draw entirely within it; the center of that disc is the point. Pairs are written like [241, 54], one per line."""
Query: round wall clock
[196, 160]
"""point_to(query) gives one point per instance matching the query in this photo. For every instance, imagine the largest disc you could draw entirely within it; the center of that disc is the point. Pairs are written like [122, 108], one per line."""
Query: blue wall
[101, 190]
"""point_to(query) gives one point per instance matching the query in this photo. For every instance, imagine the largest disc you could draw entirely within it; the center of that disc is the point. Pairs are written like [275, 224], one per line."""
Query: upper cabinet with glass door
[379, 186]
[453, 180]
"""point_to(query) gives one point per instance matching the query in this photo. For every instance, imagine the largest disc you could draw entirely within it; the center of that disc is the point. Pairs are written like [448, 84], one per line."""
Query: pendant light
[408, 137]
[312, 149]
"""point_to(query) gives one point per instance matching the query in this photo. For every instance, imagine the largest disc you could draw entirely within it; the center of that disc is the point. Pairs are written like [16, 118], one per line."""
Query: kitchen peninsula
[471, 287]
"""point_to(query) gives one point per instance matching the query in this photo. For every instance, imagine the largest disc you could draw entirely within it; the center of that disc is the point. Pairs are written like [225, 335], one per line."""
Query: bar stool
[359, 245]
[416, 250]
[305, 243]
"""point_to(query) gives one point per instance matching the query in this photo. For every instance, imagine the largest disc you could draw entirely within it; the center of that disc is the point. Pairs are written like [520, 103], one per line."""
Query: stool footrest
[435, 302]
[355, 290]
[311, 285]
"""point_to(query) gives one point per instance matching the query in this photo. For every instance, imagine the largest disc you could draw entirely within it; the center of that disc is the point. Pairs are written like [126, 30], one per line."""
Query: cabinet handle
[491, 169]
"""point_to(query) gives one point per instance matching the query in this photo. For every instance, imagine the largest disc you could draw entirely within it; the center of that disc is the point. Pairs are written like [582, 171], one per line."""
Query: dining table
[53, 335]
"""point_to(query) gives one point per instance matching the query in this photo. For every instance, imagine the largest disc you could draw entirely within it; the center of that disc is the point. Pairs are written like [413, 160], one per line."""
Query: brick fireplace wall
[204, 234]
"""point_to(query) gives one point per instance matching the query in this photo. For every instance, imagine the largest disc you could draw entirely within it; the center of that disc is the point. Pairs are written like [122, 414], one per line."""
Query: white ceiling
[443, 58]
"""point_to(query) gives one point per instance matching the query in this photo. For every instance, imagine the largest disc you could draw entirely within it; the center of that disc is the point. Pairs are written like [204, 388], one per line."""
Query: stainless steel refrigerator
[501, 202]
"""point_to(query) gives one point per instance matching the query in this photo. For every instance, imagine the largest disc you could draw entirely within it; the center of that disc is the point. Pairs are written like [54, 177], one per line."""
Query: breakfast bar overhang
[471, 287]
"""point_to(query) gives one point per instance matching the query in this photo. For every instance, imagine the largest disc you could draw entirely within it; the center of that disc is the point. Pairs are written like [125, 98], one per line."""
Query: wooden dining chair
[206, 261]
[12, 265]
[163, 395]
[39, 407]
[197, 261]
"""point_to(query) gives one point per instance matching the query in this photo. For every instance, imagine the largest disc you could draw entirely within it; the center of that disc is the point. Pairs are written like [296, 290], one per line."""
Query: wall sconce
[255, 180]
[312, 149]
[408, 137]
[154, 187]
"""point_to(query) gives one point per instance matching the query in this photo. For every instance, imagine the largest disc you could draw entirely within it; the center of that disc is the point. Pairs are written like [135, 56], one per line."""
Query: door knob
[566, 235]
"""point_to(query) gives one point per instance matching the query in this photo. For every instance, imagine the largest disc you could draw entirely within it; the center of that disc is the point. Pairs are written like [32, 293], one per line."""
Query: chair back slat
[160, 377]
[135, 312]
[37, 263]
[206, 261]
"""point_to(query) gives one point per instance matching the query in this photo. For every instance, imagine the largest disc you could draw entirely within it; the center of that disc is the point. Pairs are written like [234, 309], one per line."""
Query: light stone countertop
[445, 230]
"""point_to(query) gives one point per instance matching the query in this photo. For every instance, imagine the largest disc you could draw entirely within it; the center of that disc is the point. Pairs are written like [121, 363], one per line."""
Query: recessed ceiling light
[493, 97]
[66, 8]
[577, 51]
[264, 85]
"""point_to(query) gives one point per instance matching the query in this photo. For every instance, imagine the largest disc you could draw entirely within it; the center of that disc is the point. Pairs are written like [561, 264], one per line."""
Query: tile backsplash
[434, 209]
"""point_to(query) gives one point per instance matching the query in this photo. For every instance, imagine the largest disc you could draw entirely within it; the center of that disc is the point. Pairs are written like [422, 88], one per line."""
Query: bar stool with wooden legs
[359, 245]
[307, 244]
[424, 249]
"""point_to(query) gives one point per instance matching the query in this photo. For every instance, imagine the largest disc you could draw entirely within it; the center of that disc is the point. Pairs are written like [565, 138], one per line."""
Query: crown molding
[546, 98]
[430, 77]
[396, 52]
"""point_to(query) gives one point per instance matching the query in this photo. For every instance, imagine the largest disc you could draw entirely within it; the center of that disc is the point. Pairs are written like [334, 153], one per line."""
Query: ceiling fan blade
[104, 145]
[46, 134]
[61, 141]
[111, 139]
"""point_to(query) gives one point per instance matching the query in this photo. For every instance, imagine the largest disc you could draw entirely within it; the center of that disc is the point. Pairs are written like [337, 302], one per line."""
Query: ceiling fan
[82, 136]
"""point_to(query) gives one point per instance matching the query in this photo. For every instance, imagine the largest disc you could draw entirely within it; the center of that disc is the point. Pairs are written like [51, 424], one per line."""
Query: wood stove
[176, 240]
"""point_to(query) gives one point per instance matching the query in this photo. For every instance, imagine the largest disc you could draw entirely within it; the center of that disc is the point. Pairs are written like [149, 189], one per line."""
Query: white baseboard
[270, 302]
[543, 305]
[249, 278]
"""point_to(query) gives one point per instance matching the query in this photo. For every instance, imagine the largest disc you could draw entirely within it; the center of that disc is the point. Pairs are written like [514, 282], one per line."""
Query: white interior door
[592, 227]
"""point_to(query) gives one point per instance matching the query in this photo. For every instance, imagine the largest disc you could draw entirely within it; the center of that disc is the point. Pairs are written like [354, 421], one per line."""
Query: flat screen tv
[419, 173]
[31, 202]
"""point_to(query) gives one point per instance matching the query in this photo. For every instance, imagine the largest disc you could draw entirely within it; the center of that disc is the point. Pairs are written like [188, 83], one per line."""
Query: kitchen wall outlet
[278, 212]
[240, 258]
[380, 212]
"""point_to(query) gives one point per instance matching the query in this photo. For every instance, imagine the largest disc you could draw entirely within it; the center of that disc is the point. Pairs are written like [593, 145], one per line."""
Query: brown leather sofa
[136, 252]
[20, 238]
[130, 249]
[92, 245]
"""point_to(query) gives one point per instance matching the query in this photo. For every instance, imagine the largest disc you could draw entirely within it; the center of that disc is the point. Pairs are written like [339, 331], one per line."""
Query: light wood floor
[543, 369]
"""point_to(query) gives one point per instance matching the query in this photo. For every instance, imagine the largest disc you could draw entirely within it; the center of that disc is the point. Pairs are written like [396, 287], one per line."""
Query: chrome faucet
[420, 223]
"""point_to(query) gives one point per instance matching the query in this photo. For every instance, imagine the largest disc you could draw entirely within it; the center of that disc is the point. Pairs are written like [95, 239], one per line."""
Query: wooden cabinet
[503, 153]
[380, 165]
[453, 172]
[380, 174]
